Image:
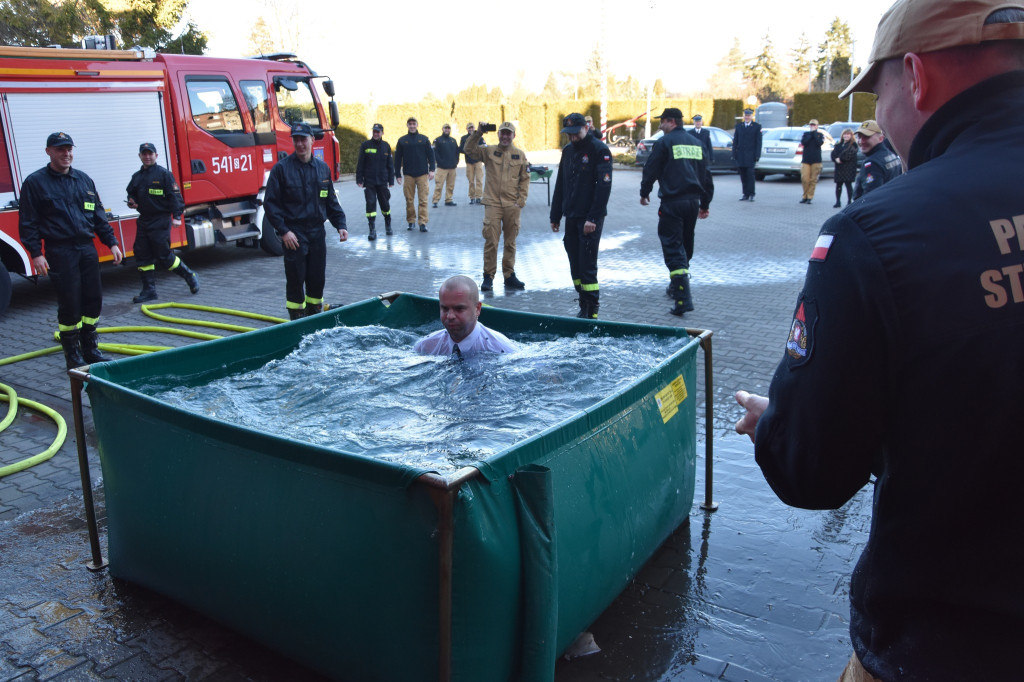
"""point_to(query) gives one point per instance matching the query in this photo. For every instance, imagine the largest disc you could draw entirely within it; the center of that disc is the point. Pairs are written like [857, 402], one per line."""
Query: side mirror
[335, 116]
[329, 88]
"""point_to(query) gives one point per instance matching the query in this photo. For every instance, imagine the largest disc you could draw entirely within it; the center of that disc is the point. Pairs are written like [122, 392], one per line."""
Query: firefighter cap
[869, 128]
[147, 147]
[671, 112]
[302, 130]
[59, 140]
[698, 117]
[378, 128]
[507, 126]
[922, 26]
[573, 123]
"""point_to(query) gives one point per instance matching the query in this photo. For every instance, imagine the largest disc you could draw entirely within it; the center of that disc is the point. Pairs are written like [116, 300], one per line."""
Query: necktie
[456, 351]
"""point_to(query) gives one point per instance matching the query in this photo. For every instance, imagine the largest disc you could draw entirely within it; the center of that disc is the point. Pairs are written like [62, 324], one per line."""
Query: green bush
[827, 107]
[726, 113]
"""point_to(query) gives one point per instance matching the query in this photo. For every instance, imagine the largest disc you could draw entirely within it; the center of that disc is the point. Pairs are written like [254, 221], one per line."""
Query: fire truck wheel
[270, 240]
[5, 288]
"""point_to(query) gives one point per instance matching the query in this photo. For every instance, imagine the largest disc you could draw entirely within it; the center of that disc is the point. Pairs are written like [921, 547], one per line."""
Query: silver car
[781, 152]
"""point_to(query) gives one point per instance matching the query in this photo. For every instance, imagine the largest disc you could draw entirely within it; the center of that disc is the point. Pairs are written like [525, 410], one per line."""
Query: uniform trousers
[410, 186]
[582, 251]
[373, 194]
[441, 176]
[153, 246]
[75, 271]
[747, 180]
[305, 269]
[809, 173]
[500, 220]
[676, 218]
[475, 178]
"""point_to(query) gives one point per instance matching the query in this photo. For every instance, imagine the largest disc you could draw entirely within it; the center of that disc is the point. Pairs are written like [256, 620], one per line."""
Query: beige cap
[922, 26]
[506, 126]
[868, 128]
[813, 122]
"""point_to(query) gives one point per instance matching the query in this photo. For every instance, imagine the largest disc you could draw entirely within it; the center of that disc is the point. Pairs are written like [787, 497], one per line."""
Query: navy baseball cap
[302, 130]
[59, 140]
[378, 128]
[147, 147]
[573, 123]
[671, 112]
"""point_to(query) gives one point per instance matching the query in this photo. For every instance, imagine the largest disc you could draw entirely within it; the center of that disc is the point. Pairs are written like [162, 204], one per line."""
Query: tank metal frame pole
[78, 378]
[704, 336]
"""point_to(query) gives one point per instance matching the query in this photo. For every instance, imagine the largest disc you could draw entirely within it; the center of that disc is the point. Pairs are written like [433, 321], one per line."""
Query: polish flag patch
[821, 247]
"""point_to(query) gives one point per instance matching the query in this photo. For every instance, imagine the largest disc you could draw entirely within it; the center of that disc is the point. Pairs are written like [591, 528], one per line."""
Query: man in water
[462, 334]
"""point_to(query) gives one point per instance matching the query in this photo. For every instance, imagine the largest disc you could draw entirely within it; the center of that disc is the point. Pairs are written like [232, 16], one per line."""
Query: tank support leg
[98, 563]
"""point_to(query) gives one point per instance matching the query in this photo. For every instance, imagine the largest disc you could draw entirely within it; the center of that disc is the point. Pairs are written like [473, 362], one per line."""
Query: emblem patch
[821, 247]
[585, 159]
[801, 333]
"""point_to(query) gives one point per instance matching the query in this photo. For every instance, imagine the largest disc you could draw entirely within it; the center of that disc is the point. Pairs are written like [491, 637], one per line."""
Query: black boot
[373, 229]
[487, 284]
[69, 341]
[148, 292]
[682, 295]
[387, 225]
[296, 313]
[314, 308]
[588, 309]
[90, 346]
[191, 278]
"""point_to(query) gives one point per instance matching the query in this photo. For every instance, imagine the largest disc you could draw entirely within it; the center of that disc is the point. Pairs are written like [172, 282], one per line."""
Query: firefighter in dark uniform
[902, 371]
[880, 163]
[684, 186]
[155, 193]
[300, 197]
[582, 187]
[375, 173]
[60, 209]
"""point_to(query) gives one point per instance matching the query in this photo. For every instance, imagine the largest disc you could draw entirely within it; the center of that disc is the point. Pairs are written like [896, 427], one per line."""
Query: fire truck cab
[218, 124]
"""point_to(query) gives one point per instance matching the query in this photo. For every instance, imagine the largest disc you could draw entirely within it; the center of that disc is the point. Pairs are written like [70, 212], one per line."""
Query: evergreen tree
[727, 81]
[764, 73]
[832, 65]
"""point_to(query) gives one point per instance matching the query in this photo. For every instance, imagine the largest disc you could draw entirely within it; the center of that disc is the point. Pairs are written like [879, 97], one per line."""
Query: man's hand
[704, 213]
[589, 227]
[131, 203]
[755, 405]
[430, 175]
[40, 264]
[645, 201]
[290, 241]
[398, 180]
[359, 185]
[554, 227]
[343, 235]
[115, 251]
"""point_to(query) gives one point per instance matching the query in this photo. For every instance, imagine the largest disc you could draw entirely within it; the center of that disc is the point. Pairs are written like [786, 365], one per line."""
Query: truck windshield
[298, 105]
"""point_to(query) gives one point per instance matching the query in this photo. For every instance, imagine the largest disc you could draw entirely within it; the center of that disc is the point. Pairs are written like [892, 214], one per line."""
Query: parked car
[782, 152]
[721, 148]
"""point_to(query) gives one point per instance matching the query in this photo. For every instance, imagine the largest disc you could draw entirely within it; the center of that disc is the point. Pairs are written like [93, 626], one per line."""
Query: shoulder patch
[821, 247]
[800, 343]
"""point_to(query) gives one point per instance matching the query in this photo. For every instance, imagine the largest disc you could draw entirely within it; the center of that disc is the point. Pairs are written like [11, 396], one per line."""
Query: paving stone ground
[754, 591]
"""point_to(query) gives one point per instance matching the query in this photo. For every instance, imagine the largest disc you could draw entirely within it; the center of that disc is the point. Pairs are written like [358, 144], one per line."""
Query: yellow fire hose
[9, 396]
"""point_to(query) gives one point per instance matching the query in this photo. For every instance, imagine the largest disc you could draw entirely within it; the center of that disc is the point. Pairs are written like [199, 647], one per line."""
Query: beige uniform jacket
[508, 172]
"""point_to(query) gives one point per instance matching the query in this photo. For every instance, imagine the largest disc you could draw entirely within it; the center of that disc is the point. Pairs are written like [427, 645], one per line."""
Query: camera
[488, 127]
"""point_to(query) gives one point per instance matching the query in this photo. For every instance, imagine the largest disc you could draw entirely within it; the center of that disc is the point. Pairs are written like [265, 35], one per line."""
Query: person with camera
[582, 188]
[414, 158]
[446, 151]
[505, 191]
[474, 169]
[810, 166]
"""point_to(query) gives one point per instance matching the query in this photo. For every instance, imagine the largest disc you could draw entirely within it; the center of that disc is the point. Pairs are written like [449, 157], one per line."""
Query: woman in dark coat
[845, 156]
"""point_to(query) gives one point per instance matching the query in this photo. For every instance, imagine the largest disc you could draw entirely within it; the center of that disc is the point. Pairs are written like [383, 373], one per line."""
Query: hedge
[827, 107]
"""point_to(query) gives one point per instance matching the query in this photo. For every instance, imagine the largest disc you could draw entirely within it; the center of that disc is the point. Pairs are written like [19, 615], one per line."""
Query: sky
[400, 51]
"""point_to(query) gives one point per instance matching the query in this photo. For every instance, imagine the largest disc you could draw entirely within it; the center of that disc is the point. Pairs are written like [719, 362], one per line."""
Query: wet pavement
[754, 591]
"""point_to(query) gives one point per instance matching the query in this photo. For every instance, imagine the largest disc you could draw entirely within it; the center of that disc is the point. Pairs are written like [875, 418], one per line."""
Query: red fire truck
[218, 124]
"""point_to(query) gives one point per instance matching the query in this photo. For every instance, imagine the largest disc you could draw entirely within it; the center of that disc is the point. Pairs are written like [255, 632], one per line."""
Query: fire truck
[218, 124]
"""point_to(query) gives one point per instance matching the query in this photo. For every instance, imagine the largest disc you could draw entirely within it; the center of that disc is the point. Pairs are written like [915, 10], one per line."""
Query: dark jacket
[677, 163]
[880, 166]
[413, 155]
[746, 144]
[462, 149]
[812, 140]
[584, 181]
[157, 195]
[912, 298]
[446, 151]
[847, 153]
[61, 209]
[376, 165]
[705, 141]
[300, 197]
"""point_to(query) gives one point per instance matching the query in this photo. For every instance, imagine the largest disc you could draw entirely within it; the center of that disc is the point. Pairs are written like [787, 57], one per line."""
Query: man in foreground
[60, 209]
[155, 193]
[902, 366]
[298, 214]
[678, 165]
[582, 188]
[462, 334]
[505, 192]
[880, 164]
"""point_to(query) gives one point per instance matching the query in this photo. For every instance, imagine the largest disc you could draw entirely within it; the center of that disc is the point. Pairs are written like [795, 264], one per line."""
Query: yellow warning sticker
[671, 397]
